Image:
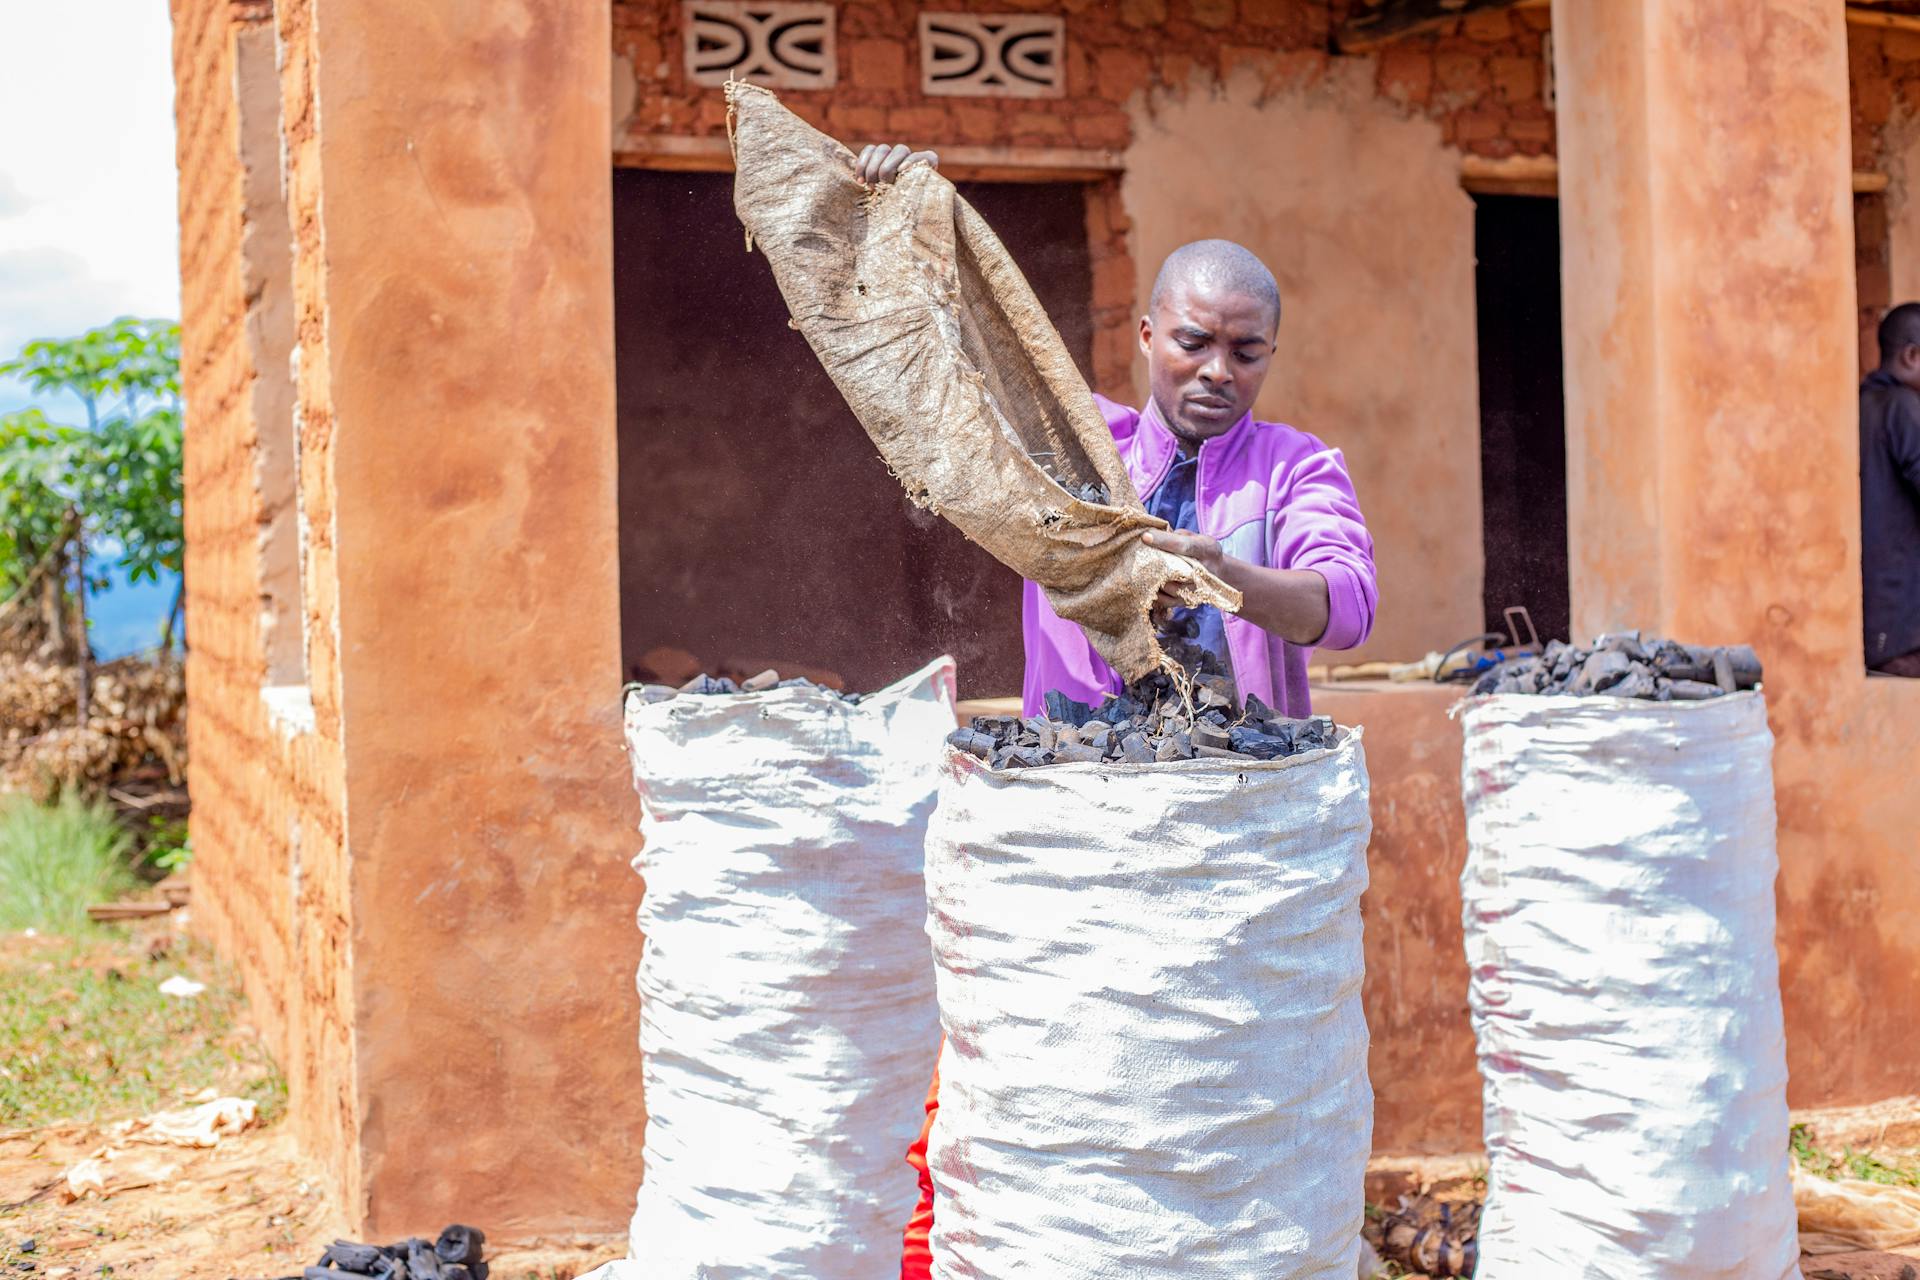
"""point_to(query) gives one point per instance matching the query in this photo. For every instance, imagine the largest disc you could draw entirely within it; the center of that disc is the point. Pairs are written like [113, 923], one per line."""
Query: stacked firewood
[136, 717]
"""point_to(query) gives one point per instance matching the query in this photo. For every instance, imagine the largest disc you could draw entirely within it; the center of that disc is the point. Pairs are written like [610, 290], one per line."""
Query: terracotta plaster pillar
[1712, 457]
[465, 213]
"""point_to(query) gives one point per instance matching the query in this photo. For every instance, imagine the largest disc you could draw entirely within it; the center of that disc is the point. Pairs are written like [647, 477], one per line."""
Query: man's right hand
[880, 162]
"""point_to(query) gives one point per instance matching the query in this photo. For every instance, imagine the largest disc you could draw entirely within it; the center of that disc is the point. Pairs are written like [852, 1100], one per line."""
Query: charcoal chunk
[765, 680]
[1077, 753]
[1208, 734]
[1068, 710]
[1694, 690]
[1218, 753]
[1260, 746]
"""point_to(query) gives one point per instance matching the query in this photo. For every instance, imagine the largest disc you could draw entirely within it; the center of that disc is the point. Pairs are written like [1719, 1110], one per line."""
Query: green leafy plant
[57, 858]
[169, 848]
[1848, 1164]
[80, 497]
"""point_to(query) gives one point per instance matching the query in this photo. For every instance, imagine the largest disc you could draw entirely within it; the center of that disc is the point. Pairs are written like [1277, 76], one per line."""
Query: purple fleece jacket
[1270, 495]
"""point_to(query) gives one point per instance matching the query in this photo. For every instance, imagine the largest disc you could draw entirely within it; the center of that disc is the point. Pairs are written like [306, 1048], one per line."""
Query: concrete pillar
[1712, 455]
[461, 158]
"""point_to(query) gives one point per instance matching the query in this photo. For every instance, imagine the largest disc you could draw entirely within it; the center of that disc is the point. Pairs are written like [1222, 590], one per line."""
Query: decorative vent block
[782, 45]
[992, 55]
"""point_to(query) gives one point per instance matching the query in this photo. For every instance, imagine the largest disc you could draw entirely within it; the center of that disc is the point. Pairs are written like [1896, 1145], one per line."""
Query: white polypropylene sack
[787, 1019]
[1618, 907]
[1156, 1059]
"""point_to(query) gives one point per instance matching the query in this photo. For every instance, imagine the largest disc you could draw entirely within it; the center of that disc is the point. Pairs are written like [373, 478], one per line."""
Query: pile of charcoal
[1627, 666]
[454, 1256]
[1149, 724]
[706, 684]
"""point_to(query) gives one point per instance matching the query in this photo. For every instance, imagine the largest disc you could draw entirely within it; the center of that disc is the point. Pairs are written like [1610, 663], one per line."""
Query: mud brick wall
[1481, 78]
[270, 869]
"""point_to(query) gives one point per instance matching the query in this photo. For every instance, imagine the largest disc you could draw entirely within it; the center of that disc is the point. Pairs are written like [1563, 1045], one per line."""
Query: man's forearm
[1289, 603]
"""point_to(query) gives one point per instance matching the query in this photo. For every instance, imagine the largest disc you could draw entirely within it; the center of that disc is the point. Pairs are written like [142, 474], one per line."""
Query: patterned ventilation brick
[989, 55]
[786, 46]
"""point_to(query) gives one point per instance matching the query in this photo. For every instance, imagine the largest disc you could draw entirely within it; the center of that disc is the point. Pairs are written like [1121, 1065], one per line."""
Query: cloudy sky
[87, 227]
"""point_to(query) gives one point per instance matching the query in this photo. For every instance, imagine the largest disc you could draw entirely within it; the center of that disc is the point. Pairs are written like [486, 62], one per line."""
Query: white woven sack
[1156, 1058]
[1625, 992]
[787, 1017]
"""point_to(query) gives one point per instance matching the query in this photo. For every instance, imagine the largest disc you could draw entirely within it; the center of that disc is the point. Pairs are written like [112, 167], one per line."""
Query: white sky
[87, 214]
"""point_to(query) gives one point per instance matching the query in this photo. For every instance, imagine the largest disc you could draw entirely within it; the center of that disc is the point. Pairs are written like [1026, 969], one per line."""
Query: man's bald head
[1217, 266]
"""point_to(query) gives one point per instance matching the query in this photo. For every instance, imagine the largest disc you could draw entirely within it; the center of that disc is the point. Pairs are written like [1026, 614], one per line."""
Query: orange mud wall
[270, 867]
[422, 873]
[1713, 459]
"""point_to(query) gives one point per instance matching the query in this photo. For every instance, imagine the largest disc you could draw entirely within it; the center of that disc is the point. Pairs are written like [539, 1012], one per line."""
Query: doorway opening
[758, 525]
[1523, 441]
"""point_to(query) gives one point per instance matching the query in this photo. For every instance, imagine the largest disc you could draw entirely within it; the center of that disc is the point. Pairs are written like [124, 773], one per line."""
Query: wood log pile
[135, 720]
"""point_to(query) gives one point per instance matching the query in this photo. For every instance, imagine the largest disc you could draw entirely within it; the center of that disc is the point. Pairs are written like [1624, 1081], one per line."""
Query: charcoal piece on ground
[1068, 710]
[351, 1256]
[1694, 690]
[422, 1262]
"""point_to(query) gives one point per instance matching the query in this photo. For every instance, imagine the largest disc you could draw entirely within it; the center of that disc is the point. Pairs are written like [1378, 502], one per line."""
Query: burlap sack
[946, 357]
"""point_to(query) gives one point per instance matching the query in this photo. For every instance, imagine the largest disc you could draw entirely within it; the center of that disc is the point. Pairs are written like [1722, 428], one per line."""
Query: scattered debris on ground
[455, 1255]
[1625, 665]
[1427, 1236]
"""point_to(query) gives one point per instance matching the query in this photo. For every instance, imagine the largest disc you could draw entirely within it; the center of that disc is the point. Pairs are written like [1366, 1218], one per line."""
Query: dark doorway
[758, 525]
[1523, 442]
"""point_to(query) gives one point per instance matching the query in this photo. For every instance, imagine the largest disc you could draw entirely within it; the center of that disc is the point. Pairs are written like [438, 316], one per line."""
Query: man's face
[1208, 349]
[1906, 366]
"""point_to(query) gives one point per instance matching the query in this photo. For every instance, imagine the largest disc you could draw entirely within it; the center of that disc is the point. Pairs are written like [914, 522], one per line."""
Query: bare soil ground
[87, 1043]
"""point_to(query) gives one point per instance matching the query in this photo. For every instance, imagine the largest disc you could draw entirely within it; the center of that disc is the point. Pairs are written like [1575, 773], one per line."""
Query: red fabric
[916, 1255]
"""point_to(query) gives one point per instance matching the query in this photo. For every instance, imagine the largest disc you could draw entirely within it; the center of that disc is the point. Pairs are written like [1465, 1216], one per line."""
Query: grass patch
[1849, 1163]
[86, 1035]
[57, 858]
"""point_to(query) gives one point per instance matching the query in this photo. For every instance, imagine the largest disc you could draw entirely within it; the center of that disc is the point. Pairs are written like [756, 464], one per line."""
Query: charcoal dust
[1625, 665]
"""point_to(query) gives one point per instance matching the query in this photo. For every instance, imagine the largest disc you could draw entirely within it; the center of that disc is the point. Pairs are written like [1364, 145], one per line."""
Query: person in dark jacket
[1890, 496]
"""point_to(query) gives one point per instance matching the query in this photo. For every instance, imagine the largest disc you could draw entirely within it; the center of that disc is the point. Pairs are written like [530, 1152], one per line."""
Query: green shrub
[57, 858]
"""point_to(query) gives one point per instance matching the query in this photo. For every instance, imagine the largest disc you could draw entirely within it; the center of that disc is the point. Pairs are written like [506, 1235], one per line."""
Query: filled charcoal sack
[1625, 993]
[787, 1013]
[1149, 979]
[942, 351]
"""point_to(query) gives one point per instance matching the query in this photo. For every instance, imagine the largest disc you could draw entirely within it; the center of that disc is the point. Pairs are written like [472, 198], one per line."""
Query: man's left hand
[1197, 547]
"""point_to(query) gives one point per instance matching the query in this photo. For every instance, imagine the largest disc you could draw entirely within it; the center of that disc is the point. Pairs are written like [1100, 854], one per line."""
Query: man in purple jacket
[1267, 508]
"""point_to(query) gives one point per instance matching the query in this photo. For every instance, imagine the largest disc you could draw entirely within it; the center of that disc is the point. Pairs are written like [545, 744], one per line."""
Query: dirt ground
[247, 1209]
[252, 1208]
[87, 1035]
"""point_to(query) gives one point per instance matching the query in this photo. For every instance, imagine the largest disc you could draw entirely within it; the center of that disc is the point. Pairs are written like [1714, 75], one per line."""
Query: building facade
[489, 409]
